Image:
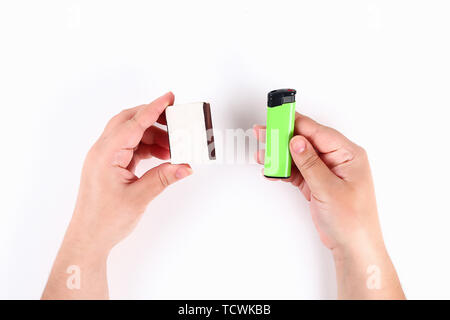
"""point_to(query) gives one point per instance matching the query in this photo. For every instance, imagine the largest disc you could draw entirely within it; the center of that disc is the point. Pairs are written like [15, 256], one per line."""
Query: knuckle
[95, 151]
[112, 121]
[362, 152]
[121, 114]
[137, 124]
[127, 111]
[311, 161]
[163, 178]
[116, 118]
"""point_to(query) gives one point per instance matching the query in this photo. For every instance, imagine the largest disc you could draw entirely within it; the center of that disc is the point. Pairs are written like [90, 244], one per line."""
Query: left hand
[112, 198]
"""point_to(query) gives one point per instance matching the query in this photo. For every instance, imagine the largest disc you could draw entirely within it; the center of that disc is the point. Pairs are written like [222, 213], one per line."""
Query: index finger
[128, 134]
[323, 138]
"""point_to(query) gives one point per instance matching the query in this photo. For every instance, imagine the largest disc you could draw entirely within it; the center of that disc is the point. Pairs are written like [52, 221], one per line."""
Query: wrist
[361, 247]
[365, 271]
[82, 247]
[79, 271]
[83, 242]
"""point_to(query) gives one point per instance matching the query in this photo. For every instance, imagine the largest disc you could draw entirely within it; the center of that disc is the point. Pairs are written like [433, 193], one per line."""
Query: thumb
[317, 175]
[155, 180]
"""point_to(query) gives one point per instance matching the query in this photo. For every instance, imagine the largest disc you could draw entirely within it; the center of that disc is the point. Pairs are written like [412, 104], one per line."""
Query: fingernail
[183, 172]
[299, 145]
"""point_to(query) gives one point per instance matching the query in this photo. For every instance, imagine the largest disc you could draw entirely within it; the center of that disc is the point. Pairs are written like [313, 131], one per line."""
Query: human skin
[111, 198]
[334, 175]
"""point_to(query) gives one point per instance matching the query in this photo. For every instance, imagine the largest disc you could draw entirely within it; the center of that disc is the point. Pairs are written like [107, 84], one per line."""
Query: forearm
[79, 271]
[366, 272]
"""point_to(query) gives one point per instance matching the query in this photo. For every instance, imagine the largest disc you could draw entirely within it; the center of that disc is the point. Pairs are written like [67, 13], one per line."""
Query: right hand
[333, 173]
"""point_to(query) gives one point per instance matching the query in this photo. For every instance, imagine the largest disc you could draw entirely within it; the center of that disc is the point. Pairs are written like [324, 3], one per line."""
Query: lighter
[279, 131]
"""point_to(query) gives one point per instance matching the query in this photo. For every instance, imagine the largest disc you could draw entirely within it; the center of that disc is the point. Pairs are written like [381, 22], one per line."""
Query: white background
[378, 71]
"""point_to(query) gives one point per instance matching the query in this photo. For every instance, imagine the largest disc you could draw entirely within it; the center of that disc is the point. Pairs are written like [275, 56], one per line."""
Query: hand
[333, 173]
[111, 197]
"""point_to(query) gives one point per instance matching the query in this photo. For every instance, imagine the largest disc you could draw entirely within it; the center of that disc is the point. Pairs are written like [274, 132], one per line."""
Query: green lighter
[279, 131]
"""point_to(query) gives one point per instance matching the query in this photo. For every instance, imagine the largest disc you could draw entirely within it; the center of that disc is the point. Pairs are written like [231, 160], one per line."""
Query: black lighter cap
[280, 96]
